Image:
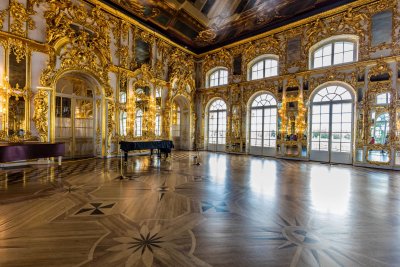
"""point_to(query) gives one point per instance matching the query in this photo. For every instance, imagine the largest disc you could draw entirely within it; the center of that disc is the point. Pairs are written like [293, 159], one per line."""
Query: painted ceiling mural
[202, 25]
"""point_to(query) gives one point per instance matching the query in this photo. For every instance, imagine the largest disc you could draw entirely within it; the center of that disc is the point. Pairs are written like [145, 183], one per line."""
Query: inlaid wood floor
[229, 211]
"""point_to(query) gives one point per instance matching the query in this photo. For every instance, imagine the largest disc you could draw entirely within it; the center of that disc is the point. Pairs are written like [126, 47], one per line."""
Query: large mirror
[290, 127]
[380, 128]
[17, 72]
[16, 116]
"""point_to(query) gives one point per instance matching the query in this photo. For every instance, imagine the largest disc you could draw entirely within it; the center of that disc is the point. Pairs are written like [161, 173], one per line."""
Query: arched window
[263, 68]
[381, 129]
[383, 99]
[332, 93]
[123, 118]
[138, 122]
[218, 77]
[263, 124]
[334, 53]
[331, 125]
[217, 125]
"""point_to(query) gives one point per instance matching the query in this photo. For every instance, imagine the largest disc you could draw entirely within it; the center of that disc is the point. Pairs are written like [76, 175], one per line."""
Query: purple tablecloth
[24, 151]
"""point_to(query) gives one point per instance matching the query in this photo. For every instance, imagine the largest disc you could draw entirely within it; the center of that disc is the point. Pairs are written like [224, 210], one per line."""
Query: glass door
[263, 127]
[331, 125]
[217, 126]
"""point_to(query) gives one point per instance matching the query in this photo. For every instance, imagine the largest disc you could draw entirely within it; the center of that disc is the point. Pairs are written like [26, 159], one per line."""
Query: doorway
[75, 116]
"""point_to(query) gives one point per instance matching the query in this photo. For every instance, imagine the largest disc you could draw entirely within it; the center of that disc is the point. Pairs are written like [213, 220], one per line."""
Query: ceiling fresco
[203, 25]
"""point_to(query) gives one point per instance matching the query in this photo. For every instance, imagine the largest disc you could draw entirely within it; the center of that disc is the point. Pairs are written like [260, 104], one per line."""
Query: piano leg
[59, 160]
[125, 156]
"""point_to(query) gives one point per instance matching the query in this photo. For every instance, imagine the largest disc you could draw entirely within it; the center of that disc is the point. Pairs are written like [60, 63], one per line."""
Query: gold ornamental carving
[41, 113]
[20, 15]
[3, 14]
[221, 59]
[19, 48]
[207, 36]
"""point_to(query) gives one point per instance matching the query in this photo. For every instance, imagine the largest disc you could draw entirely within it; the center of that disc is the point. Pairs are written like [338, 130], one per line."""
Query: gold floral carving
[221, 59]
[380, 68]
[3, 14]
[81, 53]
[19, 48]
[57, 20]
[20, 15]
[268, 45]
[40, 115]
[110, 124]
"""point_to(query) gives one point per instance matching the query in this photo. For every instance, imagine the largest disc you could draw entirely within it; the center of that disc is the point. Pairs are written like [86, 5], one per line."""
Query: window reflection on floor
[263, 177]
[217, 168]
[330, 190]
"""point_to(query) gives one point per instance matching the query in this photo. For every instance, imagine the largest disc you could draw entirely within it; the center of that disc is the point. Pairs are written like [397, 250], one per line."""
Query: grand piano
[23, 151]
[163, 146]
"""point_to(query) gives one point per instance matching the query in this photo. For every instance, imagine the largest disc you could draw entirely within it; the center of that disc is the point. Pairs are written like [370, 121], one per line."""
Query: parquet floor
[229, 211]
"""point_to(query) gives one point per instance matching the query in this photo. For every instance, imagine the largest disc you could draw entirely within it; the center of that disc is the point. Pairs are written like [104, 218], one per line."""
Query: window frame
[387, 96]
[219, 77]
[263, 60]
[332, 44]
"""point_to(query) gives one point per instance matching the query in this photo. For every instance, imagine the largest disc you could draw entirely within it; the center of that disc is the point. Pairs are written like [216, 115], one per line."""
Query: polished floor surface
[229, 211]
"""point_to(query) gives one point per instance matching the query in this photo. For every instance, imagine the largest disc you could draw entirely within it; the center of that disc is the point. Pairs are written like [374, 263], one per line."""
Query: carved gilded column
[42, 113]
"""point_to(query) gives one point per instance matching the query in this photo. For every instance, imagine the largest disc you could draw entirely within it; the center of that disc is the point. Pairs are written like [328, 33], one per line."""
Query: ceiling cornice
[137, 22]
[115, 11]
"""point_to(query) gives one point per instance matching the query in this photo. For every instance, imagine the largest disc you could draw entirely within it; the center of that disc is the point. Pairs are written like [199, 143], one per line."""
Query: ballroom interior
[276, 127]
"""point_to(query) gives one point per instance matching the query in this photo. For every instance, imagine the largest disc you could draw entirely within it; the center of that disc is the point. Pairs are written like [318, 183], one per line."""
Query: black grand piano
[23, 151]
[162, 146]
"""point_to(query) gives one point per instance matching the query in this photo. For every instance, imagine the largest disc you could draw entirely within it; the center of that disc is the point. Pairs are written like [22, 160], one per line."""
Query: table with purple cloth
[23, 151]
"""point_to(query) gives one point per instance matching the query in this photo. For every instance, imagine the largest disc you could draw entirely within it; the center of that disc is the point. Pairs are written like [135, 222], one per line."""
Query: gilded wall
[372, 25]
[127, 67]
[60, 40]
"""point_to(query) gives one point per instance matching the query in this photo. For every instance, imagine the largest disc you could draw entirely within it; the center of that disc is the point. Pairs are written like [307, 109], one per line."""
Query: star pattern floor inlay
[230, 210]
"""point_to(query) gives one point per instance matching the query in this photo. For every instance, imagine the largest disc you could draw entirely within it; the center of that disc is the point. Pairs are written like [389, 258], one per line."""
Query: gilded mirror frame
[8, 91]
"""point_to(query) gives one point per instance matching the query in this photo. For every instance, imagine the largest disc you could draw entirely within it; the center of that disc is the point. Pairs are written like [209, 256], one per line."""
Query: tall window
[123, 118]
[263, 121]
[218, 77]
[217, 123]
[264, 68]
[138, 122]
[334, 53]
[331, 121]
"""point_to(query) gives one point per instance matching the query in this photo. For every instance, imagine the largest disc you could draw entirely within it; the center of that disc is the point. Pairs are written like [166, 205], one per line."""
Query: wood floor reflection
[229, 211]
